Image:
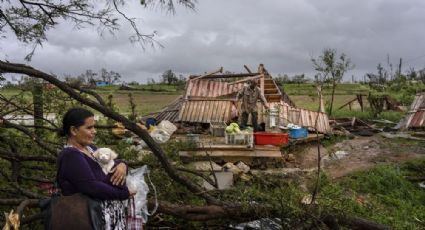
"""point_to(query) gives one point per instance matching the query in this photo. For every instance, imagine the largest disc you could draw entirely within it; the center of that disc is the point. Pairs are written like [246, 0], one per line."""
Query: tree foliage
[331, 69]
[30, 20]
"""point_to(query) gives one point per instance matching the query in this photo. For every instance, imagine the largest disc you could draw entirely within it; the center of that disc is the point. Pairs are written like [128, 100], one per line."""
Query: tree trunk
[37, 97]
[7, 67]
[332, 97]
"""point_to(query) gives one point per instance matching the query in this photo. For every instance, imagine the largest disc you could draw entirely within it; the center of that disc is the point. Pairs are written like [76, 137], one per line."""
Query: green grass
[143, 89]
[382, 194]
[151, 98]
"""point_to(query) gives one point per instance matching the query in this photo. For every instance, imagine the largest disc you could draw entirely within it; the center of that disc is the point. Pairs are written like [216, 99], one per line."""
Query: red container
[265, 138]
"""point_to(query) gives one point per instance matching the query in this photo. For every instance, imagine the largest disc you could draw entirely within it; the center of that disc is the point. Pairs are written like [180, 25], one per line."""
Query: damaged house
[210, 98]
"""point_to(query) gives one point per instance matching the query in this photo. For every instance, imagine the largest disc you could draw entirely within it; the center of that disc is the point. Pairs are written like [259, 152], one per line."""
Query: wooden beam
[236, 75]
[232, 153]
[209, 74]
[247, 69]
[262, 83]
[238, 147]
[246, 79]
[342, 106]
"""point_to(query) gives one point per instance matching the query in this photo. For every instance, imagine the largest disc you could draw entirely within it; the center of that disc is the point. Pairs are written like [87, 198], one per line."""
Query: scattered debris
[355, 126]
[388, 103]
[401, 135]
[205, 166]
[230, 167]
[261, 224]
[415, 117]
[290, 157]
[243, 167]
[340, 154]
[307, 199]
[224, 181]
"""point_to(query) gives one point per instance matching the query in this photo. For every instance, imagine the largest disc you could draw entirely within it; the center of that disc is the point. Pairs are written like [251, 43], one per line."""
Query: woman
[78, 171]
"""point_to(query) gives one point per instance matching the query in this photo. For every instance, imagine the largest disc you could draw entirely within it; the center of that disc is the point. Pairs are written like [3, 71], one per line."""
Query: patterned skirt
[114, 214]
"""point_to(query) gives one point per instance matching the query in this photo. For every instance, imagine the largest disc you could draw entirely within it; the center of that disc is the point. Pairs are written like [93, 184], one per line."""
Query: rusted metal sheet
[210, 88]
[418, 119]
[169, 113]
[415, 118]
[298, 116]
[289, 114]
[205, 111]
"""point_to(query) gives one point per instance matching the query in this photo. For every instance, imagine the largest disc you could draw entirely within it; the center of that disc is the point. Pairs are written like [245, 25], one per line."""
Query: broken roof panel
[415, 118]
[205, 111]
[210, 88]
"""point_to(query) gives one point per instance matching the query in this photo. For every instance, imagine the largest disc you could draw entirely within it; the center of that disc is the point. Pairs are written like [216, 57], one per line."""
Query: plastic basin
[265, 138]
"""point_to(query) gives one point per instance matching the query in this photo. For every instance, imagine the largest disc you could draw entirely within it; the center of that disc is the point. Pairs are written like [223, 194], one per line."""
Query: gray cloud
[283, 35]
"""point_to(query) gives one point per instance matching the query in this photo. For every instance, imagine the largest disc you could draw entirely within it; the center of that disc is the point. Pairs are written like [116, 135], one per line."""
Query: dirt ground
[359, 153]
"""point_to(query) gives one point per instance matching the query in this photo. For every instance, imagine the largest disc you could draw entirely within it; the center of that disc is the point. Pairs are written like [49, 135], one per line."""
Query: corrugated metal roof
[418, 119]
[415, 118]
[210, 88]
[298, 116]
[169, 112]
[205, 111]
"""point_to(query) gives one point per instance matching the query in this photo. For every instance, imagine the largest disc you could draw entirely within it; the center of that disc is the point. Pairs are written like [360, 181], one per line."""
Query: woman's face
[84, 135]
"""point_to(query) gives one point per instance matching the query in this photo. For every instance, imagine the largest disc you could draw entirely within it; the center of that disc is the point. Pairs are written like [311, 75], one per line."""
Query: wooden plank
[232, 153]
[237, 75]
[240, 147]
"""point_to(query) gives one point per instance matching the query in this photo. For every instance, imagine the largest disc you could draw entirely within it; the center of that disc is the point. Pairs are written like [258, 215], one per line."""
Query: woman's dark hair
[74, 117]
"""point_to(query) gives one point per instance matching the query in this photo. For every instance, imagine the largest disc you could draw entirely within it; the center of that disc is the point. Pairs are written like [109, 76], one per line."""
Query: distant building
[102, 83]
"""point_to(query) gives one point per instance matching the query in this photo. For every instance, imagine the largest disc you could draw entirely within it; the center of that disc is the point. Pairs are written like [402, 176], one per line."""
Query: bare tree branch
[29, 133]
[143, 134]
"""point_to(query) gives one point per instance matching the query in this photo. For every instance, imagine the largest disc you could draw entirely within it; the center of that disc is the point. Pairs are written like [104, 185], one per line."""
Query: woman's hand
[119, 174]
[132, 193]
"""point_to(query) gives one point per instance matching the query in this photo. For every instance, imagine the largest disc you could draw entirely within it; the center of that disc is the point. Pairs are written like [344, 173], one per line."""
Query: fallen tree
[214, 208]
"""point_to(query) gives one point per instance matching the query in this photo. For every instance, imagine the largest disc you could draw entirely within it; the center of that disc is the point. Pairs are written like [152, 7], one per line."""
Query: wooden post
[262, 83]
[247, 69]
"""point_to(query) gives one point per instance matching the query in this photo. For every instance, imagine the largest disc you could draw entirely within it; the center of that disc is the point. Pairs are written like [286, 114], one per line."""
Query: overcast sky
[283, 35]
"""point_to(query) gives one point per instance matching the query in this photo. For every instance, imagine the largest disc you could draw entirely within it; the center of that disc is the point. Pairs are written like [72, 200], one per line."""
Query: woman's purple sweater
[78, 173]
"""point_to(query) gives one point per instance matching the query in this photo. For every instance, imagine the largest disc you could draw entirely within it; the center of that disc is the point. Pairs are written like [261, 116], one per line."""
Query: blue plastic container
[150, 122]
[298, 133]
